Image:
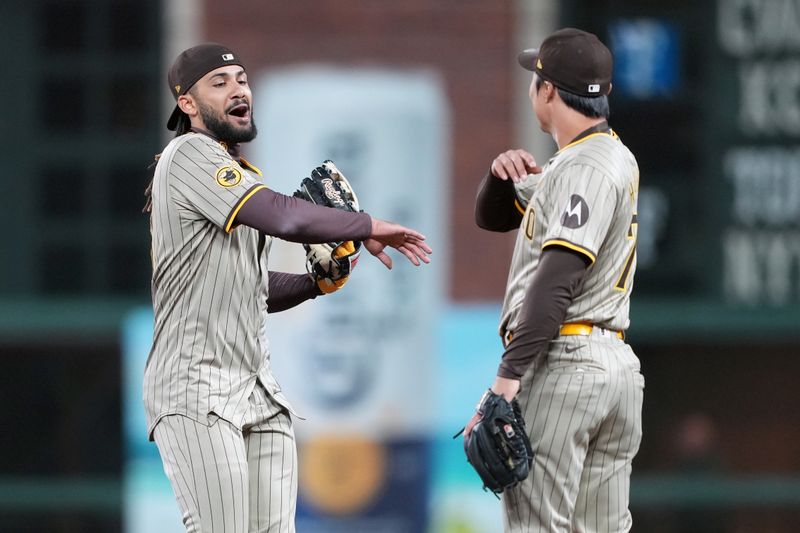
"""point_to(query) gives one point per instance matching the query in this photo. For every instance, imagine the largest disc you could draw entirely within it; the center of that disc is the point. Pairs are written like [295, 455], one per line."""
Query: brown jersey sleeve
[288, 290]
[495, 208]
[296, 220]
[555, 283]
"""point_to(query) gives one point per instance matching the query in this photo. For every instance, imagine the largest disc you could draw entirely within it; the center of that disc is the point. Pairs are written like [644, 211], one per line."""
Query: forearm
[297, 220]
[555, 282]
[288, 290]
[495, 208]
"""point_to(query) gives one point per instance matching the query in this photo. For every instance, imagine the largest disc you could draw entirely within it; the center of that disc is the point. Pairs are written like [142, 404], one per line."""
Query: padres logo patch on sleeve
[229, 176]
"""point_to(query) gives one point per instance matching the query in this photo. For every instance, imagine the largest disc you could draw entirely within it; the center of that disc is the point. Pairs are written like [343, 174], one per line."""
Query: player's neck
[232, 149]
[566, 131]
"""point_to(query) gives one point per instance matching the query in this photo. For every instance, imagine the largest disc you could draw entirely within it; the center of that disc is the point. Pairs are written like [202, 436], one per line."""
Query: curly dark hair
[183, 127]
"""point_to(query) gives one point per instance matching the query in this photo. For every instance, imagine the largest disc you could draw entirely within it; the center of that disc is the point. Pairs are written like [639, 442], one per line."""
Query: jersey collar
[598, 129]
[602, 127]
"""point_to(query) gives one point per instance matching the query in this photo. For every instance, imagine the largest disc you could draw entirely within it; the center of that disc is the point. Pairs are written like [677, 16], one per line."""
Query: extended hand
[407, 241]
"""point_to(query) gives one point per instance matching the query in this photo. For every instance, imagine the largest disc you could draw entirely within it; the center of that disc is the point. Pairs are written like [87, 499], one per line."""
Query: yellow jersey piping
[239, 204]
[573, 247]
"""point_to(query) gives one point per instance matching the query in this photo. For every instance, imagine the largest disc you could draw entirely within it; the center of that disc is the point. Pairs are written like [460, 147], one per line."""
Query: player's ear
[187, 104]
[549, 91]
[610, 88]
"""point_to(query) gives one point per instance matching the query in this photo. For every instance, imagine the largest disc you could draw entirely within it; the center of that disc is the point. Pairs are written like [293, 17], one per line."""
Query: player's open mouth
[241, 112]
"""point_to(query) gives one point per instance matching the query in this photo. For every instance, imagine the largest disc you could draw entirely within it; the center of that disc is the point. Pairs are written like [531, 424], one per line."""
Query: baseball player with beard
[567, 299]
[222, 426]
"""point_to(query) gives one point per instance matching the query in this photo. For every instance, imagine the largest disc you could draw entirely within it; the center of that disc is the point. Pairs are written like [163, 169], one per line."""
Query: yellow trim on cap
[242, 201]
[574, 247]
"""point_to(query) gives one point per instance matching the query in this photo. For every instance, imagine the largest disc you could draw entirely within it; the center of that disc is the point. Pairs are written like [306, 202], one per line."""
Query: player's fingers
[411, 234]
[497, 169]
[514, 170]
[519, 170]
[409, 254]
[385, 259]
[376, 248]
[413, 239]
[471, 424]
[536, 169]
[530, 162]
[423, 246]
[417, 251]
[509, 168]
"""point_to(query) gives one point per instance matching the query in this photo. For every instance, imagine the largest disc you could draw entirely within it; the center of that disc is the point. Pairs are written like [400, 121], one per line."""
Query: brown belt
[573, 328]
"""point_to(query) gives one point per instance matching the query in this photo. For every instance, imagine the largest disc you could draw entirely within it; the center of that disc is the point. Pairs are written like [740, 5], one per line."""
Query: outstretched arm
[297, 220]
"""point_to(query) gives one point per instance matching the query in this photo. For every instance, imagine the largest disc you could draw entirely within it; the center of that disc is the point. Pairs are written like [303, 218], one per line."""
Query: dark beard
[224, 131]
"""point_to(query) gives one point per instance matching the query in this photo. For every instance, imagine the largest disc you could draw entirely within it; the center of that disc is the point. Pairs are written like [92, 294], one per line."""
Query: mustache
[236, 103]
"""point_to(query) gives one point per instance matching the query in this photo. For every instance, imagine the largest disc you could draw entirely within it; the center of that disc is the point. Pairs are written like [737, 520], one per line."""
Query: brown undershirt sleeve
[557, 278]
[288, 290]
[494, 206]
[296, 220]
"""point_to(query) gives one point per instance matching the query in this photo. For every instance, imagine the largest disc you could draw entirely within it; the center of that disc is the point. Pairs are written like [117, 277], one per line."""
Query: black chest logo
[576, 213]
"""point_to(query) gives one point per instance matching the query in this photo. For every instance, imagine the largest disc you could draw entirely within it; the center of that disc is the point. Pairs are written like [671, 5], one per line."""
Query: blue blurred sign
[646, 58]
[350, 483]
[148, 502]
[364, 451]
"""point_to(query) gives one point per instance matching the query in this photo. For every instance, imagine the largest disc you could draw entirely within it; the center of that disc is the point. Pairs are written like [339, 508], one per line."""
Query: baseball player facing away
[566, 303]
[217, 415]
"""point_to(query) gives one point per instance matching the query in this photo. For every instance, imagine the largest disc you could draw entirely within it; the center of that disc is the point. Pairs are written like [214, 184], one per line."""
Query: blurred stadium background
[407, 96]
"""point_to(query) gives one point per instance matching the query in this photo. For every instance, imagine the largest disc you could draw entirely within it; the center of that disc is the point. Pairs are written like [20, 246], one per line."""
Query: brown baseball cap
[573, 60]
[193, 64]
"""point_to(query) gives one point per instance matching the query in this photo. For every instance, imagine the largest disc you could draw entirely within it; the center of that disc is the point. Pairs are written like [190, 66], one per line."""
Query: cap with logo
[573, 60]
[193, 64]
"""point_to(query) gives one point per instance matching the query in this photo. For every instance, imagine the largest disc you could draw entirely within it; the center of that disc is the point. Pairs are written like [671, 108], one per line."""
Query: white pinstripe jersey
[585, 199]
[209, 287]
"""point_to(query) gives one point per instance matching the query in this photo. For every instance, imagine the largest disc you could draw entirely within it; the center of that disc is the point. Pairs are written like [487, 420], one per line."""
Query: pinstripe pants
[228, 480]
[582, 403]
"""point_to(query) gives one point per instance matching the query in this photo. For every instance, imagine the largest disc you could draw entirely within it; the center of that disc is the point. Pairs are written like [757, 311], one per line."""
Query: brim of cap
[527, 57]
[172, 123]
